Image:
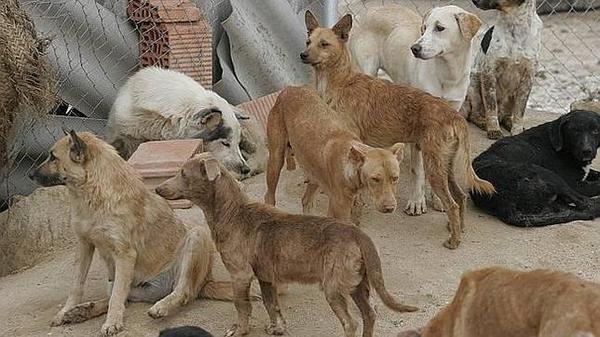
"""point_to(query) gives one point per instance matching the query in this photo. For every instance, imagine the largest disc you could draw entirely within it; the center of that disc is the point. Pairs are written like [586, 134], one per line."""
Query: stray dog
[332, 158]
[543, 176]
[432, 54]
[383, 114]
[504, 67]
[147, 250]
[259, 240]
[185, 331]
[497, 302]
[161, 104]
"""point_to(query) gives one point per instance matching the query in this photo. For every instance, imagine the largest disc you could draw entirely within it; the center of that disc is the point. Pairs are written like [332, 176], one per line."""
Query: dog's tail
[375, 274]
[474, 183]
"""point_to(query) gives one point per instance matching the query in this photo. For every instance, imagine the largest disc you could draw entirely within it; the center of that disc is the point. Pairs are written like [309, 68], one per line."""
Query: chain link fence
[96, 45]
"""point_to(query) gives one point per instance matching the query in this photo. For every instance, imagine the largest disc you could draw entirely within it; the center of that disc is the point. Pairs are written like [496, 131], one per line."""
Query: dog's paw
[416, 207]
[59, 319]
[275, 329]
[158, 311]
[111, 329]
[452, 243]
[80, 313]
[494, 134]
[235, 331]
[436, 203]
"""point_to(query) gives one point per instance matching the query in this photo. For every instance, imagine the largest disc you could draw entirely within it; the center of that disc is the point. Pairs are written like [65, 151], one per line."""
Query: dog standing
[332, 158]
[259, 240]
[505, 67]
[432, 53]
[497, 302]
[162, 104]
[383, 114]
[147, 250]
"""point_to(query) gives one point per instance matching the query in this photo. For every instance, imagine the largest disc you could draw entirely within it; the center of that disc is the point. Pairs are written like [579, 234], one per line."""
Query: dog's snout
[304, 55]
[416, 49]
[245, 169]
[159, 190]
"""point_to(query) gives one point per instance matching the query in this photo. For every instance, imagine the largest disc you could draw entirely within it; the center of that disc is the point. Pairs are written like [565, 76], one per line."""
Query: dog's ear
[425, 17]
[398, 150]
[211, 166]
[77, 148]
[211, 118]
[468, 24]
[555, 132]
[342, 27]
[357, 155]
[311, 22]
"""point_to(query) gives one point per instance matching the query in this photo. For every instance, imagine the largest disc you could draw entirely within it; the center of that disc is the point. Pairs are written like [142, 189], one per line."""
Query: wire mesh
[96, 47]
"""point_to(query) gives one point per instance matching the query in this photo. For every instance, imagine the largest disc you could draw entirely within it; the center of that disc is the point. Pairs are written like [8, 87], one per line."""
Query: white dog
[505, 67]
[161, 104]
[432, 53]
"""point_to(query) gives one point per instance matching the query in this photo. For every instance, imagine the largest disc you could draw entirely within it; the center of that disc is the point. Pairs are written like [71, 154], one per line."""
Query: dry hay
[27, 85]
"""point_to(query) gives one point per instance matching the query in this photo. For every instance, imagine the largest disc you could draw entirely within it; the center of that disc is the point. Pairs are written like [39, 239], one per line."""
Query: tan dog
[383, 114]
[498, 302]
[332, 158]
[144, 245]
[278, 248]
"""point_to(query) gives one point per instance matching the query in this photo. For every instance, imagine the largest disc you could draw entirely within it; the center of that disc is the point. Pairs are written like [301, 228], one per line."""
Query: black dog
[185, 331]
[543, 176]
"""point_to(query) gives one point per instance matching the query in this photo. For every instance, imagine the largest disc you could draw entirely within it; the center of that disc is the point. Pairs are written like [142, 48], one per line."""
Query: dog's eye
[439, 28]
[394, 179]
[376, 179]
[52, 157]
[227, 144]
[324, 44]
[596, 131]
[307, 42]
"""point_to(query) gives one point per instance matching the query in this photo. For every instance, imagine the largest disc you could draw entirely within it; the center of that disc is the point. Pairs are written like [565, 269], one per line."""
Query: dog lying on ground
[185, 331]
[162, 104]
[543, 176]
[147, 250]
[259, 240]
[497, 302]
[332, 158]
[383, 114]
[505, 67]
[432, 53]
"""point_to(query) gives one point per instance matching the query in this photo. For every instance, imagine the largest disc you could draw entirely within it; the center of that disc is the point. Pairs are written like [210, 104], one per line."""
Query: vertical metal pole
[330, 12]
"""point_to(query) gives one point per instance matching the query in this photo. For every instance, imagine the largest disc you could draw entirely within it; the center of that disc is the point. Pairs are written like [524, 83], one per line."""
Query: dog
[161, 104]
[185, 331]
[382, 114]
[505, 67]
[332, 158]
[432, 53]
[497, 302]
[147, 250]
[543, 175]
[279, 248]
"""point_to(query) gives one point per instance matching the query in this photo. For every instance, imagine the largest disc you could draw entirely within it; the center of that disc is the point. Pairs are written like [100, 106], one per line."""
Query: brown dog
[147, 250]
[383, 114]
[278, 248]
[498, 302]
[332, 158]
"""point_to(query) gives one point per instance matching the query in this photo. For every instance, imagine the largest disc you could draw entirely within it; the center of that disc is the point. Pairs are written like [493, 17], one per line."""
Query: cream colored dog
[432, 53]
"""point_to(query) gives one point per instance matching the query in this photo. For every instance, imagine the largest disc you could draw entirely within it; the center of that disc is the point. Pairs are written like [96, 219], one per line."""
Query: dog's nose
[304, 55]
[158, 190]
[416, 49]
[245, 169]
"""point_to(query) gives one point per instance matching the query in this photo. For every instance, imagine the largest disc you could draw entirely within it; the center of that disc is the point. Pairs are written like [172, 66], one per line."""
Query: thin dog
[333, 159]
[147, 250]
[278, 248]
[383, 114]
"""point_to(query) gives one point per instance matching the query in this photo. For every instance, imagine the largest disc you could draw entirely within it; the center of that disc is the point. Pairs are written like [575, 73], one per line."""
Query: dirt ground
[417, 269]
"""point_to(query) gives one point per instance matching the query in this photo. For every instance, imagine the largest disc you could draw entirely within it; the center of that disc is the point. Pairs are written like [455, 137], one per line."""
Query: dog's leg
[86, 253]
[459, 196]
[338, 304]
[269, 295]
[490, 103]
[124, 268]
[520, 103]
[361, 299]
[277, 142]
[241, 298]
[416, 204]
[308, 199]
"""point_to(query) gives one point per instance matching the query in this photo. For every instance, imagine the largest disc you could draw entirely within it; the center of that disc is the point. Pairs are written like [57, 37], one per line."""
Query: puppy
[432, 54]
[505, 67]
[332, 158]
[185, 331]
[383, 114]
[147, 251]
[497, 302]
[160, 104]
[543, 175]
[259, 240]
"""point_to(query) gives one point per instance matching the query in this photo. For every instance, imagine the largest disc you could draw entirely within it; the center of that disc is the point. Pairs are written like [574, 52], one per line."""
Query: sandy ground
[416, 267]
